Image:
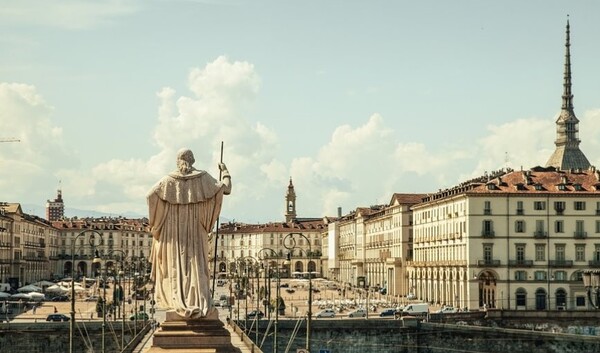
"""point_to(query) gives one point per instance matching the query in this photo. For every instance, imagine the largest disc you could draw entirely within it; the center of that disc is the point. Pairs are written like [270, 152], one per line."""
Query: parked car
[325, 313]
[419, 308]
[91, 298]
[284, 285]
[60, 298]
[446, 310]
[387, 312]
[57, 317]
[290, 290]
[411, 296]
[358, 313]
[140, 316]
[255, 314]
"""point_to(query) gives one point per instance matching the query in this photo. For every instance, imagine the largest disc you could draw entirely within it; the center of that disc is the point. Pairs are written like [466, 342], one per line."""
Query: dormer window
[562, 187]
[539, 187]
[578, 187]
[490, 186]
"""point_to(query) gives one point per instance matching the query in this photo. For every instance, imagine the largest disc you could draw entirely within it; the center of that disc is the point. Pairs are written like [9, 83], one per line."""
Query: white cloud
[360, 165]
[41, 151]
[67, 14]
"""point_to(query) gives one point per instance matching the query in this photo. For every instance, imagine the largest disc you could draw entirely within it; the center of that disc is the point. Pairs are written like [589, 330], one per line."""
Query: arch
[222, 267]
[576, 276]
[96, 268]
[312, 266]
[68, 268]
[298, 266]
[540, 299]
[561, 299]
[521, 298]
[81, 269]
[487, 288]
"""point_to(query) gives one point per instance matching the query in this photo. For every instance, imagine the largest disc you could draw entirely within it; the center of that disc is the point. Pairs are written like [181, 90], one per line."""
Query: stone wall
[383, 336]
[53, 337]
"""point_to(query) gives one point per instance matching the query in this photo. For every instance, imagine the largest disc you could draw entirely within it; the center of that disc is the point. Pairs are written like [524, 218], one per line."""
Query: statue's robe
[183, 210]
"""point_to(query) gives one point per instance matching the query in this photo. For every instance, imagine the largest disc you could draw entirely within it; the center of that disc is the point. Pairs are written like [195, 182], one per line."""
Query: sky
[353, 100]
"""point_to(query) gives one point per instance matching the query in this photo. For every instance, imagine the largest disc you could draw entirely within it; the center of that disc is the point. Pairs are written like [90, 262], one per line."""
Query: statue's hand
[222, 167]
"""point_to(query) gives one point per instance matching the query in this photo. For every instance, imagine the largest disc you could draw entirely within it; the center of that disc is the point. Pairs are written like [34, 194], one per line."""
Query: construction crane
[10, 139]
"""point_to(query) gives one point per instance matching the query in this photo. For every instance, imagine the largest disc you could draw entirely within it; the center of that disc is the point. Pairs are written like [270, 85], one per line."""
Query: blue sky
[354, 100]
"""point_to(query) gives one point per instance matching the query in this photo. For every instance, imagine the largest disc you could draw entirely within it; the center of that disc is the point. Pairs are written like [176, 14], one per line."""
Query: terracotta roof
[538, 180]
[409, 199]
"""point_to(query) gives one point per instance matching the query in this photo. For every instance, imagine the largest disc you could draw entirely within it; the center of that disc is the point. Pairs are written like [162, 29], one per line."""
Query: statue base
[204, 335]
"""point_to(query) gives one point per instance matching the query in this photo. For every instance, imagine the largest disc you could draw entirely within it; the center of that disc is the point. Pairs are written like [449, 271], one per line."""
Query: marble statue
[183, 209]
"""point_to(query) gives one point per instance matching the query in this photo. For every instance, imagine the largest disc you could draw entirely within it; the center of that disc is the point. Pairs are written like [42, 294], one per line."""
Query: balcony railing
[520, 263]
[488, 263]
[488, 233]
[520, 211]
[540, 234]
[594, 263]
[560, 263]
[580, 235]
[487, 211]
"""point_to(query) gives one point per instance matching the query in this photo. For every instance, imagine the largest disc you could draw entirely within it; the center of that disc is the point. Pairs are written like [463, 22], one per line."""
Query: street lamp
[98, 260]
[292, 246]
[591, 282]
[277, 295]
[72, 321]
[118, 296]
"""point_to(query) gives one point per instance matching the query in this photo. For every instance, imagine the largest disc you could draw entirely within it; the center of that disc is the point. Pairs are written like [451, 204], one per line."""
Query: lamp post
[292, 246]
[72, 321]
[98, 260]
[273, 252]
[118, 296]
[591, 282]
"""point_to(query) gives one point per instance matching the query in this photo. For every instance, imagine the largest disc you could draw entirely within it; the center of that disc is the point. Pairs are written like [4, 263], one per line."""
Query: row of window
[559, 206]
[540, 252]
[540, 227]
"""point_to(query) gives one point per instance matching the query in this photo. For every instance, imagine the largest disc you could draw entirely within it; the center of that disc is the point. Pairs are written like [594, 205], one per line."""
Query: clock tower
[290, 203]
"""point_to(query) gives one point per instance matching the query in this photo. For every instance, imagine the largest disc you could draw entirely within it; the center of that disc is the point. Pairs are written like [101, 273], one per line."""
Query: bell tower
[290, 203]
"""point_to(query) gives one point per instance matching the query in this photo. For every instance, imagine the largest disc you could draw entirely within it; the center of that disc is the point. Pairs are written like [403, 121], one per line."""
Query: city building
[121, 242]
[55, 210]
[246, 241]
[513, 239]
[370, 246]
[27, 245]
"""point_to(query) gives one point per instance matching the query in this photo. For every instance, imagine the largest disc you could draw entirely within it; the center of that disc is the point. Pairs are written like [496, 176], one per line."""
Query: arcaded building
[514, 239]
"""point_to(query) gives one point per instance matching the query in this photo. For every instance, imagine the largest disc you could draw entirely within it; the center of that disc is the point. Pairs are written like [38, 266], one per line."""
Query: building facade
[516, 241]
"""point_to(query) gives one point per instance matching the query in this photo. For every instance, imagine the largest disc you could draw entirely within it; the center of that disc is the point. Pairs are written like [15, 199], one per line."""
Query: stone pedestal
[206, 335]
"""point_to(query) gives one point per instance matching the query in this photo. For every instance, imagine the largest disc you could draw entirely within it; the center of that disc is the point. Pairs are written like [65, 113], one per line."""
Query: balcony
[520, 211]
[520, 263]
[488, 233]
[580, 235]
[488, 263]
[594, 263]
[487, 211]
[560, 263]
[540, 234]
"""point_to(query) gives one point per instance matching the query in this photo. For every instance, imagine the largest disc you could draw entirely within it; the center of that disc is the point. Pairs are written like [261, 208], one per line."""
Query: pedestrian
[34, 308]
[55, 310]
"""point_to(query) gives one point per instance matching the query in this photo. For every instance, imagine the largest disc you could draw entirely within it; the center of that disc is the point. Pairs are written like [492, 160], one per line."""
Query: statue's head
[185, 161]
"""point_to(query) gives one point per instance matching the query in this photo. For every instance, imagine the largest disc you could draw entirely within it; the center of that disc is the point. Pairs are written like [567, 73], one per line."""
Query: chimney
[339, 212]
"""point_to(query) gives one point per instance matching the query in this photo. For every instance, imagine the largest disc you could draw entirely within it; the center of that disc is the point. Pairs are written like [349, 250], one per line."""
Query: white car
[358, 313]
[326, 313]
[411, 296]
[447, 309]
